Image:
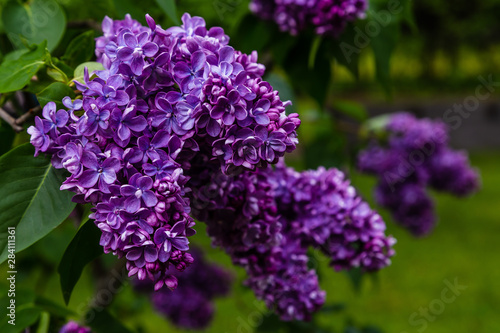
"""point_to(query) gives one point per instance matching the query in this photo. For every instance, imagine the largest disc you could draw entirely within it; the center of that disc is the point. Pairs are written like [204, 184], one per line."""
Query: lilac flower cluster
[414, 156]
[190, 306]
[267, 219]
[165, 97]
[74, 327]
[327, 17]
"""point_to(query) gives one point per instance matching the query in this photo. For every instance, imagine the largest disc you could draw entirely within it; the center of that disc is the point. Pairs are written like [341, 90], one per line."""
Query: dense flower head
[165, 97]
[327, 17]
[268, 219]
[415, 155]
[190, 306]
[74, 327]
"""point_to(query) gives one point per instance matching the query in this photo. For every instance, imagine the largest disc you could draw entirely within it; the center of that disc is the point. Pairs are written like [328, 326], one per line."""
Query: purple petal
[163, 256]
[132, 204]
[134, 254]
[178, 228]
[88, 178]
[160, 236]
[149, 198]
[144, 183]
[115, 81]
[130, 40]
[198, 60]
[137, 124]
[226, 54]
[182, 70]
[121, 98]
[125, 53]
[89, 160]
[137, 65]
[213, 128]
[48, 110]
[127, 190]
[150, 49]
[109, 176]
[150, 254]
[181, 243]
[160, 139]
[123, 132]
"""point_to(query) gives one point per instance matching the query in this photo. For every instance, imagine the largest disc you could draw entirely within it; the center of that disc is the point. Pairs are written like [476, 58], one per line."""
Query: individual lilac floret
[413, 155]
[74, 327]
[164, 98]
[327, 17]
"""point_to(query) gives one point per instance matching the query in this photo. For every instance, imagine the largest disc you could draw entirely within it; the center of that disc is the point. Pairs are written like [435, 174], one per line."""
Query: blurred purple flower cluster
[74, 327]
[267, 220]
[165, 97]
[416, 155]
[190, 306]
[327, 17]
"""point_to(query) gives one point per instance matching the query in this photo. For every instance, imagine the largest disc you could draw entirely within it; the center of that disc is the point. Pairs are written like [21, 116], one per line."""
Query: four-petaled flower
[167, 239]
[138, 190]
[99, 171]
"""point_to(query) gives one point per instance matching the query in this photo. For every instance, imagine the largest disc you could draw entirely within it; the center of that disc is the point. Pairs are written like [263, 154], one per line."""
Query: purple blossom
[39, 138]
[166, 100]
[229, 108]
[109, 91]
[327, 17]
[135, 49]
[138, 190]
[402, 185]
[126, 121]
[167, 239]
[53, 118]
[102, 172]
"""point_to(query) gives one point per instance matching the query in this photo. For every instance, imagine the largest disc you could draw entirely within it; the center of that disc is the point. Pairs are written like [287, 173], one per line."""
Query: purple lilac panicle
[327, 17]
[415, 156]
[267, 219]
[164, 97]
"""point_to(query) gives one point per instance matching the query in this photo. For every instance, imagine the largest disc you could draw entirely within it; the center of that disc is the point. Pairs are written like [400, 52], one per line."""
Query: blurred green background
[440, 49]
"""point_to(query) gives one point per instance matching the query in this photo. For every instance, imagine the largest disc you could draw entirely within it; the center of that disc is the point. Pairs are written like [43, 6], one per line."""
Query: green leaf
[35, 21]
[408, 15]
[314, 81]
[314, 51]
[352, 109]
[81, 49]
[31, 199]
[383, 45]
[83, 249]
[168, 6]
[252, 34]
[101, 321]
[345, 51]
[14, 55]
[6, 137]
[356, 277]
[16, 73]
[25, 317]
[286, 91]
[55, 93]
[52, 307]
[91, 66]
